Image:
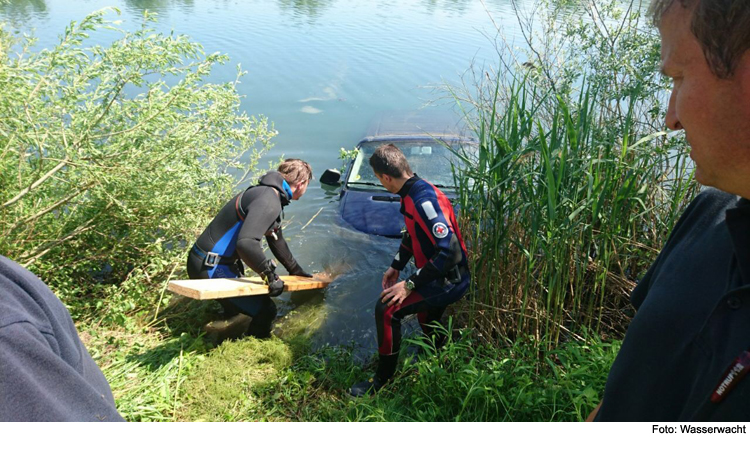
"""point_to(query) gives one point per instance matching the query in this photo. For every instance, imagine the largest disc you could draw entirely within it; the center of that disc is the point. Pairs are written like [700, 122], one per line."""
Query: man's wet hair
[390, 160]
[295, 171]
[722, 28]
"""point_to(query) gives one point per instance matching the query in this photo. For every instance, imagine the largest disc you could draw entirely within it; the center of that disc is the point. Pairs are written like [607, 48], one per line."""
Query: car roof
[397, 125]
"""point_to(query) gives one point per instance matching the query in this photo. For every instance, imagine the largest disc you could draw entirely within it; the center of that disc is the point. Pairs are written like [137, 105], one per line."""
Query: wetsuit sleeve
[404, 253]
[263, 213]
[440, 231]
[281, 251]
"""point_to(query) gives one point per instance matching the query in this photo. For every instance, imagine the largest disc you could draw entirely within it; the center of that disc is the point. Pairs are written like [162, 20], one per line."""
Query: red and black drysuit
[234, 236]
[432, 237]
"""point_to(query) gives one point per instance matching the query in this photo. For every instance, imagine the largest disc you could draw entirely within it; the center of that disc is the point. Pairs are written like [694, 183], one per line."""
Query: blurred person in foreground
[46, 374]
[685, 354]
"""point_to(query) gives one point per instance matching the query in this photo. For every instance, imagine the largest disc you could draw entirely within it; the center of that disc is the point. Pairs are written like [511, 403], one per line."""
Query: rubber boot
[262, 323]
[386, 369]
[229, 328]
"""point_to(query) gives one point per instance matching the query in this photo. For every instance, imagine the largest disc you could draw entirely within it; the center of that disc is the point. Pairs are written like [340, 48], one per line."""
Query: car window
[429, 159]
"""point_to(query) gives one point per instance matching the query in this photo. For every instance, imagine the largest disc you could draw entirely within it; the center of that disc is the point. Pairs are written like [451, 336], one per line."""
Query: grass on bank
[159, 376]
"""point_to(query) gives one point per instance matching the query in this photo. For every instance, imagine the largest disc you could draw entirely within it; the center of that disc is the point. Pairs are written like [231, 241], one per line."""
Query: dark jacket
[46, 374]
[692, 324]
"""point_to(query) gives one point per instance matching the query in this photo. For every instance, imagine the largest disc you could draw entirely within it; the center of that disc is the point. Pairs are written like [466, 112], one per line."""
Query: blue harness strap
[226, 245]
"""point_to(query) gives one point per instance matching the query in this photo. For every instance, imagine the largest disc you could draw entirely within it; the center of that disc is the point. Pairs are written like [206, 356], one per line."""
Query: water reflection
[496, 8]
[21, 11]
[310, 10]
[158, 5]
[459, 6]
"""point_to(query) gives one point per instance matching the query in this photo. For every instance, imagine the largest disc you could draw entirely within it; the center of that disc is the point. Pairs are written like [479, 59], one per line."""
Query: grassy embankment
[158, 376]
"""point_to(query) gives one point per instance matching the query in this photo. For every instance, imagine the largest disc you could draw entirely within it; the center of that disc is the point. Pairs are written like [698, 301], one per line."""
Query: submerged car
[429, 141]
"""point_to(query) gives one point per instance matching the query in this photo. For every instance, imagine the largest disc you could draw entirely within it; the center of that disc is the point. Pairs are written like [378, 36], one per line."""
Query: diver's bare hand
[390, 277]
[395, 294]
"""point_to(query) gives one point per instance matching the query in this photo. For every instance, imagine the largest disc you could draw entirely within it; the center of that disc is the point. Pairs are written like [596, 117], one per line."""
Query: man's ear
[743, 73]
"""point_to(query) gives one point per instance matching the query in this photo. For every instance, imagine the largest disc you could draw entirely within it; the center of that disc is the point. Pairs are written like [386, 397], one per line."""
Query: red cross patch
[440, 230]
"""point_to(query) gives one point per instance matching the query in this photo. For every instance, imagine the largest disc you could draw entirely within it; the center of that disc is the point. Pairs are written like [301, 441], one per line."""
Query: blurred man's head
[705, 51]
[297, 174]
[391, 167]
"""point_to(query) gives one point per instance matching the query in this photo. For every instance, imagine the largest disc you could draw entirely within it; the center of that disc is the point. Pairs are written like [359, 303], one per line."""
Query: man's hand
[390, 277]
[593, 413]
[395, 294]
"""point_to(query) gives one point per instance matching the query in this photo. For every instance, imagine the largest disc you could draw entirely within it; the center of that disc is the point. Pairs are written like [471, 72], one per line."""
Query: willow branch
[44, 249]
[36, 184]
[138, 125]
[53, 206]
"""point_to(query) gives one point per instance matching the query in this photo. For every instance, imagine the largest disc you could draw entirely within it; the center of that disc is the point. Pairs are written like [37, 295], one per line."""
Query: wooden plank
[236, 287]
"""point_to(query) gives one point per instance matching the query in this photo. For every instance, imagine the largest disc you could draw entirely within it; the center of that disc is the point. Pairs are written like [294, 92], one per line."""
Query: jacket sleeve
[263, 213]
[37, 384]
[404, 252]
[281, 251]
[441, 233]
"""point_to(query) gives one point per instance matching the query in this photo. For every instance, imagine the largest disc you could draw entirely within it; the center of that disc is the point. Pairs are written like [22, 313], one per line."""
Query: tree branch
[44, 249]
[52, 207]
[36, 184]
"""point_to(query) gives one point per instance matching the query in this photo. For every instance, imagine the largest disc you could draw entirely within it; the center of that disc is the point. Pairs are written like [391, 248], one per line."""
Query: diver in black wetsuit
[234, 237]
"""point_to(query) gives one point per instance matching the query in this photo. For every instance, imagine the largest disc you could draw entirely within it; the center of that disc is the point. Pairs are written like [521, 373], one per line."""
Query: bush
[112, 158]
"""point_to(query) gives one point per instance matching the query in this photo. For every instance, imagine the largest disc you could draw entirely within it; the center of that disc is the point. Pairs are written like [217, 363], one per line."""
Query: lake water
[320, 70]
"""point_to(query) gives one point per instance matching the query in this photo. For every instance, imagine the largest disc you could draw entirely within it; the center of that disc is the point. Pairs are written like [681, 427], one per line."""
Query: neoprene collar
[404, 191]
[275, 180]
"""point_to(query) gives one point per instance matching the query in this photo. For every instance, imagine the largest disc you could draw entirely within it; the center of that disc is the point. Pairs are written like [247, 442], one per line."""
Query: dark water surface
[320, 70]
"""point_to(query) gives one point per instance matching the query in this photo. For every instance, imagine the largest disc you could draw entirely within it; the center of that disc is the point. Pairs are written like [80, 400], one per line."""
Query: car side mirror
[331, 177]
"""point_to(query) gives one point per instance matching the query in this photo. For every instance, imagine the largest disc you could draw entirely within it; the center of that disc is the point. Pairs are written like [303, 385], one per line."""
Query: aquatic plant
[575, 186]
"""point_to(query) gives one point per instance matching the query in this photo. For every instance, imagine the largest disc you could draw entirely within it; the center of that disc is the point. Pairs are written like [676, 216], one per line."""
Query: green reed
[564, 205]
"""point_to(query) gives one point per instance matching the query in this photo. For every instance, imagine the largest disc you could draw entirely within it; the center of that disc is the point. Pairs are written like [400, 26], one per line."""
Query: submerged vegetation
[573, 191]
